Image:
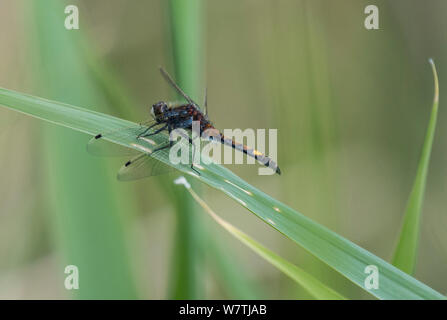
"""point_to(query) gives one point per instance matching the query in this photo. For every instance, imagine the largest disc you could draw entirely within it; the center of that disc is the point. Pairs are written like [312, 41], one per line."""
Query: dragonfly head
[158, 111]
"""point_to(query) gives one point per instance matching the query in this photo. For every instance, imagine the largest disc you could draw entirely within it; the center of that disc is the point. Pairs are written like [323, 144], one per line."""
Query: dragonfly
[166, 117]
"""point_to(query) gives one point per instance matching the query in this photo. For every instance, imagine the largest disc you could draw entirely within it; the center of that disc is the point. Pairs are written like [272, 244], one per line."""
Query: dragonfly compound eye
[159, 109]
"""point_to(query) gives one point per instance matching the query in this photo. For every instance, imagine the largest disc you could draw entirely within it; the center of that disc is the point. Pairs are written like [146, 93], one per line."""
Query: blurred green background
[351, 106]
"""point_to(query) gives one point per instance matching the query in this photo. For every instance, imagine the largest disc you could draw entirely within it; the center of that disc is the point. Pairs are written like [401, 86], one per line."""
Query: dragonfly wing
[101, 146]
[142, 166]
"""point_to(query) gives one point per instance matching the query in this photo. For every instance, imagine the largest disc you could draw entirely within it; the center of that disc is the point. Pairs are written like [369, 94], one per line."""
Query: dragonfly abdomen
[259, 156]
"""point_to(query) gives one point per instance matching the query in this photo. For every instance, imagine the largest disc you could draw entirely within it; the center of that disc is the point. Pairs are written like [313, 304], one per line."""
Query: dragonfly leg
[193, 169]
[146, 130]
[192, 156]
[164, 147]
[166, 126]
[152, 133]
[170, 144]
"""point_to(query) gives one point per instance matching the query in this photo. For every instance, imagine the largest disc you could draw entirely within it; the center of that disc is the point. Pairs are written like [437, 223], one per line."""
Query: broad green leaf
[339, 253]
[406, 250]
[307, 281]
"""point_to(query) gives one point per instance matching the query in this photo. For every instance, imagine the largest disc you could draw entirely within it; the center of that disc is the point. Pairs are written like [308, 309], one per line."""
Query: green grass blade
[406, 250]
[317, 289]
[339, 253]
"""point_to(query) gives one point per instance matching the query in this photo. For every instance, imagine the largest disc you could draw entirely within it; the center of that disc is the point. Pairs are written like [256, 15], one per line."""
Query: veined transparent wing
[100, 145]
[142, 166]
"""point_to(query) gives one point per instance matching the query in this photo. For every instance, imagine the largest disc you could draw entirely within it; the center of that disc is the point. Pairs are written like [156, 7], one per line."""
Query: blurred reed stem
[185, 19]
[186, 29]
[86, 205]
